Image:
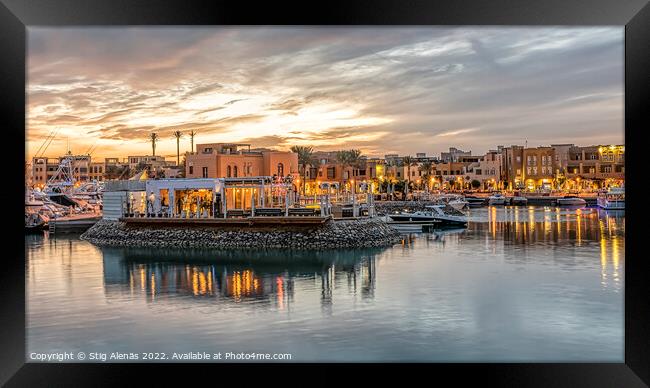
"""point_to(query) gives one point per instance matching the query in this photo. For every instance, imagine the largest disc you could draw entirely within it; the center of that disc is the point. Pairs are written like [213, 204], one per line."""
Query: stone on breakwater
[333, 234]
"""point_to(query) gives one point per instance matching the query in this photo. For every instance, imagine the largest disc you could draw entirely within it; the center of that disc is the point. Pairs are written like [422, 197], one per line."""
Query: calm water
[520, 284]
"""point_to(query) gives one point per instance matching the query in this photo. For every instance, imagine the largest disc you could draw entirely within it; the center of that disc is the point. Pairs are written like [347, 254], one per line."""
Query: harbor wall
[354, 233]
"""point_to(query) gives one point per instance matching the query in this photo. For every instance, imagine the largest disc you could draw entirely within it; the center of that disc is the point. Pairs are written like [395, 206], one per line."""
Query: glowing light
[280, 283]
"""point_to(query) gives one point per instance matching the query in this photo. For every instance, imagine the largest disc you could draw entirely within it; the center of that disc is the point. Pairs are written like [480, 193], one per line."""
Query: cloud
[457, 132]
[385, 90]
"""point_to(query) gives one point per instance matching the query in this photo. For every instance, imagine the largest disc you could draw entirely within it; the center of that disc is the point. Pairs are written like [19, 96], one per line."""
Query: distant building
[453, 155]
[43, 168]
[96, 171]
[136, 163]
[116, 169]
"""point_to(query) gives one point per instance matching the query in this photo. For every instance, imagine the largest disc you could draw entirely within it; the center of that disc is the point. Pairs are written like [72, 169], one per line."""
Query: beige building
[222, 160]
[596, 166]
[538, 168]
[43, 168]
[96, 171]
[487, 170]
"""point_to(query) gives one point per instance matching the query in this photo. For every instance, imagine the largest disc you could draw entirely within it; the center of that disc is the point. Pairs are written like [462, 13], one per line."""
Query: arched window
[228, 172]
[235, 172]
[281, 169]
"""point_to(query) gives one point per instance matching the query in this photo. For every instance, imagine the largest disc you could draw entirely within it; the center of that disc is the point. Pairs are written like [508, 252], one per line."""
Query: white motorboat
[448, 215]
[613, 199]
[442, 215]
[456, 201]
[571, 201]
[458, 204]
[497, 199]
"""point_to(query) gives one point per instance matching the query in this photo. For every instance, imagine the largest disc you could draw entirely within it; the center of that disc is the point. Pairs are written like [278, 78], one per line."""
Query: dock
[552, 200]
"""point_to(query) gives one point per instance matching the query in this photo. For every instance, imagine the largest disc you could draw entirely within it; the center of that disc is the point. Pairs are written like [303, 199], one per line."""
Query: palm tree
[154, 139]
[192, 134]
[305, 157]
[349, 158]
[343, 158]
[178, 135]
[426, 168]
[409, 162]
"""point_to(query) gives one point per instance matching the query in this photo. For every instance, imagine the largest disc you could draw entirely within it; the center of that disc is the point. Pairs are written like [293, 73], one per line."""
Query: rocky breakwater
[354, 233]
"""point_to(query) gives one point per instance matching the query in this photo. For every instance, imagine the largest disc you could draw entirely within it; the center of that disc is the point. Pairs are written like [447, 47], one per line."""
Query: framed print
[439, 188]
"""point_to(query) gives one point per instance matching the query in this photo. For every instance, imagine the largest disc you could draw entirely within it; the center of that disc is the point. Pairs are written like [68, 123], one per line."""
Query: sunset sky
[382, 90]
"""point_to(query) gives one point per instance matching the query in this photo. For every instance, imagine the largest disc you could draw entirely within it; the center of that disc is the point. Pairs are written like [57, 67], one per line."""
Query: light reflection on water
[520, 284]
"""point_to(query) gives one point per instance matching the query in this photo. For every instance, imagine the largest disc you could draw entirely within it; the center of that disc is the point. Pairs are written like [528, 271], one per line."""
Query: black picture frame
[16, 15]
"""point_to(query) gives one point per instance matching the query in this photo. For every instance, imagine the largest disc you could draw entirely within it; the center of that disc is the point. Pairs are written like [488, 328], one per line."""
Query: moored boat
[519, 201]
[571, 201]
[456, 201]
[475, 201]
[613, 199]
[442, 215]
[497, 199]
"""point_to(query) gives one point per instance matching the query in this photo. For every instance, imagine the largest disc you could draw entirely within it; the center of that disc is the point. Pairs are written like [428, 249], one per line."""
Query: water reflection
[266, 276]
[570, 235]
[519, 284]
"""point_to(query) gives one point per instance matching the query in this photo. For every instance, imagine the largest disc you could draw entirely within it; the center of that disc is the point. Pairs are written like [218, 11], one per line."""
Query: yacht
[458, 202]
[571, 201]
[443, 215]
[497, 199]
[613, 199]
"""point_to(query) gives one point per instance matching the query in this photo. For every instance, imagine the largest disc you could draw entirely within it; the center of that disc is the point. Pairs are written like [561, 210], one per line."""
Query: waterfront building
[512, 167]
[204, 198]
[487, 170]
[327, 169]
[449, 175]
[595, 166]
[538, 170]
[225, 160]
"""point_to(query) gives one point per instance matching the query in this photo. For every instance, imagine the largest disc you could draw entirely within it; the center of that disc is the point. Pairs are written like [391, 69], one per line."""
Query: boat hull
[438, 220]
[411, 217]
[612, 206]
[571, 202]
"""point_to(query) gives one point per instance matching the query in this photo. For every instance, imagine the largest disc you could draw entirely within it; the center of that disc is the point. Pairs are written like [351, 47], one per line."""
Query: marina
[423, 299]
[409, 194]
